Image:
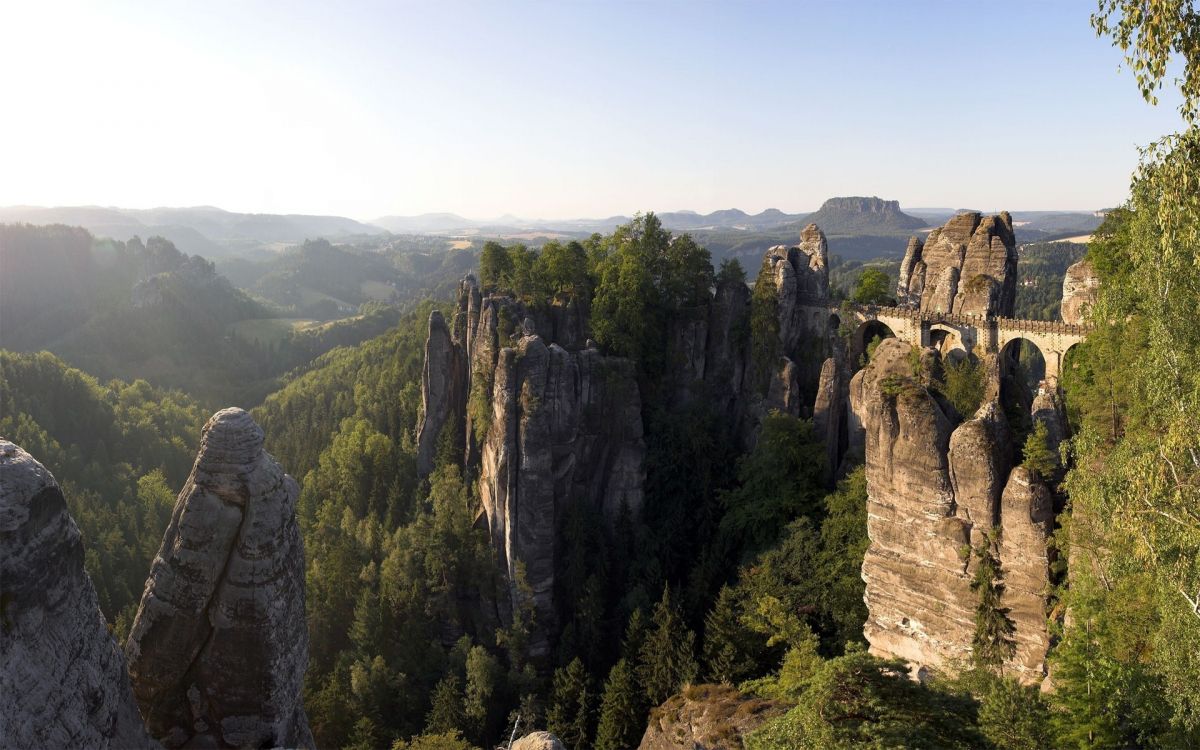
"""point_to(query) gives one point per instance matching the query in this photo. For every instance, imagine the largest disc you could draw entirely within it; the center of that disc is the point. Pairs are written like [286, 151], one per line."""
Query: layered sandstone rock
[1027, 520]
[442, 390]
[565, 428]
[936, 490]
[538, 741]
[707, 717]
[829, 412]
[968, 267]
[918, 593]
[218, 649]
[62, 676]
[1081, 284]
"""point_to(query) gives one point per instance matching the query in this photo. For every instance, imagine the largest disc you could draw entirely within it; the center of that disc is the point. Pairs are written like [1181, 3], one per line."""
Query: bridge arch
[952, 342]
[1022, 358]
[866, 332]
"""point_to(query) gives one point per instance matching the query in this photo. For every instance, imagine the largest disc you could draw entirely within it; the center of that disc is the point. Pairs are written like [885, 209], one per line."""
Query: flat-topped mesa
[219, 646]
[1081, 285]
[936, 488]
[968, 266]
[62, 676]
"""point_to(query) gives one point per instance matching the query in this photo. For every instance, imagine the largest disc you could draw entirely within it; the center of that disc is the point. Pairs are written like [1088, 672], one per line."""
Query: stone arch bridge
[953, 332]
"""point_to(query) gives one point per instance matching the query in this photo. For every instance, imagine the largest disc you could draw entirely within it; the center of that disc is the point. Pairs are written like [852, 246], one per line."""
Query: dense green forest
[741, 569]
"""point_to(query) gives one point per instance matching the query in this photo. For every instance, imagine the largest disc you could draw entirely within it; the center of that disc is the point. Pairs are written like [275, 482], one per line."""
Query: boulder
[219, 646]
[63, 681]
[538, 741]
[707, 717]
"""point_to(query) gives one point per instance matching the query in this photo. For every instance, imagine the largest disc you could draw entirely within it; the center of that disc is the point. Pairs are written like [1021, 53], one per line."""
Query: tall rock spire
[218, 650]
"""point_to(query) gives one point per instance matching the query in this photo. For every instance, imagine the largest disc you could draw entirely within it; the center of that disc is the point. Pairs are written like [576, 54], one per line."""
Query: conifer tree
[725, 658]
[622, 712]
[1038, 455]
[569, 717]
[993, 642]
[667, 661]
[446, 713]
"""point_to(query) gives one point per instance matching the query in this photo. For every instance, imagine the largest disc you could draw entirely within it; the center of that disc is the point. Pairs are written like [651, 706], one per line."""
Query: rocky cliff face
[707, 717]
[62, 676]
[565, 428]
[546, 420]
[936, 488]
[968, 267]
[1081, 284]
[218, 649]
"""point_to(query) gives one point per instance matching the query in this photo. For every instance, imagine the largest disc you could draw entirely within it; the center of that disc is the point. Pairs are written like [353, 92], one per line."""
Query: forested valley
[729, 605]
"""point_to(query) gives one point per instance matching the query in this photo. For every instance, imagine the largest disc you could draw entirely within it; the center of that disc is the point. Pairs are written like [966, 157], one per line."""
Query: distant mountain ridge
[202, 230]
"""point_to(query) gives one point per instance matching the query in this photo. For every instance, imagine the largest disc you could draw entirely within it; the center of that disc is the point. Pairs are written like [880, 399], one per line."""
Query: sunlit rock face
[219, 646]
[1081, 284]
[968, 266]
[62, 676]
[937, 489]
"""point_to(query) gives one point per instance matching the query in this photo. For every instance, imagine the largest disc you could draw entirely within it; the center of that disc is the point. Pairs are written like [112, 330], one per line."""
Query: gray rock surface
[63, 682]
[967, 266]
[538, 741]
[565, 427]
[442, 391]
[219, 646]
[1081, 284]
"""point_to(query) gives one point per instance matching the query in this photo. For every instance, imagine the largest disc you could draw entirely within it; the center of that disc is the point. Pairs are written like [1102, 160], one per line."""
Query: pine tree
[667, 661]
[993, 642]
[570, 711]
[1038, 455]
[622, 711]
[725, 658]
[446, 713]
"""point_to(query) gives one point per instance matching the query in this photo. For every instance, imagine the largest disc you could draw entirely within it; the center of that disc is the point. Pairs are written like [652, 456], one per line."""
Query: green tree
[725, 641]
[993, 641]
[781, 479]
[495, 267]
[874, 287]
[570, 714]
[1038, 456]
[432, 741]
[858, 700]
[964, 384]
[446, 712]
[667, 660]
[622, 710]
[480, 705]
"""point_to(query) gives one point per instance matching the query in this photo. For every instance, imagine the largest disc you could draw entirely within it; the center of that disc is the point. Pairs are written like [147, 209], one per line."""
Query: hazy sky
[561, 109]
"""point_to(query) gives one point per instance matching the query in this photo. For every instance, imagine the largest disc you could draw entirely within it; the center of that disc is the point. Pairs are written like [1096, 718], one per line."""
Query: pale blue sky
[565, 109]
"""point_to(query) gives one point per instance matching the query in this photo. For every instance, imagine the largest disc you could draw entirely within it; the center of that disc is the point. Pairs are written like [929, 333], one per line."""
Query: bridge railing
[970, 320]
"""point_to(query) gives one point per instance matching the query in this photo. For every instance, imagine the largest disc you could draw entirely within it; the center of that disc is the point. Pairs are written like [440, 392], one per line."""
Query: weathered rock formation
[545, 420]
[565, 428]
[62, 676]
[707, 717]
[538, 741]
[1027, 520]
[218, 649]
[1081, 284]
[936, 488]
[544, 423]
[442, 390]
[967, 267]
